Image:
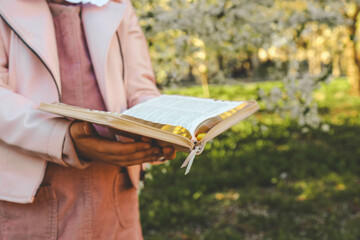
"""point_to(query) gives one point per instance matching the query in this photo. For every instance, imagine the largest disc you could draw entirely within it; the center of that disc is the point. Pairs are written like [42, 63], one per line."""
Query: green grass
[268, 180]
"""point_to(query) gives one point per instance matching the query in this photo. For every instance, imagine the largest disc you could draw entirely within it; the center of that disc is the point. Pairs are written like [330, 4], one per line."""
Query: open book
[187, 123]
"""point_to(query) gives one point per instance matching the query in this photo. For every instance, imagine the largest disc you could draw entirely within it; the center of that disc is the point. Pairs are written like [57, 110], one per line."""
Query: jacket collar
[100, 24]
[32, 22]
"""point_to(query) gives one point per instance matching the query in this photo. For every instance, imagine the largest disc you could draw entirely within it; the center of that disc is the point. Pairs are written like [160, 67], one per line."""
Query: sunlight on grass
[265, 178]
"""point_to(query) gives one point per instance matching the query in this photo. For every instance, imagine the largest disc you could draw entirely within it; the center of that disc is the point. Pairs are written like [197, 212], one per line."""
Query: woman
[61, 179]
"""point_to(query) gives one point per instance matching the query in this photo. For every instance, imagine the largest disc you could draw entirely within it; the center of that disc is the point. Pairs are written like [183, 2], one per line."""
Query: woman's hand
[167, 150]
[91, 146]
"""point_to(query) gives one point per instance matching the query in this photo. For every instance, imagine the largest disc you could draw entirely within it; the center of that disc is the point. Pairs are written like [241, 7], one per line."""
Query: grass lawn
[265, 178]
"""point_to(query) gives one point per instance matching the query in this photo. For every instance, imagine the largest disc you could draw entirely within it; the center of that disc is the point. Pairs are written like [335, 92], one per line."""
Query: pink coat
[29, 75]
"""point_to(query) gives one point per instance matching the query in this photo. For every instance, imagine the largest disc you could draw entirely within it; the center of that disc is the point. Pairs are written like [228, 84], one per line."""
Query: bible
[187, 123]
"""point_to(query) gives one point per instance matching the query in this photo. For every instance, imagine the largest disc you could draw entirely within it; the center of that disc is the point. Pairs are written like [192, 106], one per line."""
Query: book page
[187, 112]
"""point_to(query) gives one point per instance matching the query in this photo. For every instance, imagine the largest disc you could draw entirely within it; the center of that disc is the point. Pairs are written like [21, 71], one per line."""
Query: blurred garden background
[291, 171]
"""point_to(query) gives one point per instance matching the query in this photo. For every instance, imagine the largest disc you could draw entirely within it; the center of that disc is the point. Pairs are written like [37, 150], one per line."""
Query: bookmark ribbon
[190, 159]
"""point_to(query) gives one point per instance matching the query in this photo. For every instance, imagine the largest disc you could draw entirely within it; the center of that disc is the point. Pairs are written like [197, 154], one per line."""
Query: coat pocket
[37, 220]
[126, 201]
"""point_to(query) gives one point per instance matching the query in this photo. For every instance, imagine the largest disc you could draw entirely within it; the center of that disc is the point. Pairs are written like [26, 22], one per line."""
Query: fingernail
[87, 128]
[162, 159]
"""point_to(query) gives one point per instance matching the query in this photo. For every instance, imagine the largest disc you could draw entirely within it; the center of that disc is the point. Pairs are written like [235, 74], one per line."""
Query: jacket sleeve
[23, 126]
[139, 76]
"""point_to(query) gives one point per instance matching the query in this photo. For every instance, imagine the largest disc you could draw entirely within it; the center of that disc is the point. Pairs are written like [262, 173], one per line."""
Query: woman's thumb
[89, 129]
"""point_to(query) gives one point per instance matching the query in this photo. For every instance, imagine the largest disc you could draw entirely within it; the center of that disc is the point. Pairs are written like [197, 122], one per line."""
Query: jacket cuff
[56, 141]
[144, 98]
[69, 154]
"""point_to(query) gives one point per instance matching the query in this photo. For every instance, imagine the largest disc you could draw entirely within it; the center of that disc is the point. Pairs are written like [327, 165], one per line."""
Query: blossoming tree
[205, 39]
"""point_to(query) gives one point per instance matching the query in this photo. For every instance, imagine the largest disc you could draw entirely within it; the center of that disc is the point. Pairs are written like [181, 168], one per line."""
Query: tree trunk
[353, 63]
[353, 72]
[205, 84]
[336, 72]
[220, 61]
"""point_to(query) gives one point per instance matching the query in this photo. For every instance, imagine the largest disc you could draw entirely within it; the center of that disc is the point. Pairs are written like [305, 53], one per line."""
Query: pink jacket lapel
[35, 28]
[100, 26]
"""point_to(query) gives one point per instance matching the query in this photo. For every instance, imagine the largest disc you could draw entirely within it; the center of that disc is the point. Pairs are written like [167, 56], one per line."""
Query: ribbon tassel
[190, 159]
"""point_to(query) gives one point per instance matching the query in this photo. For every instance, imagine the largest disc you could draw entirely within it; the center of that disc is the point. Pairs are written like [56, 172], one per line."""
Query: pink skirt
[98, 202]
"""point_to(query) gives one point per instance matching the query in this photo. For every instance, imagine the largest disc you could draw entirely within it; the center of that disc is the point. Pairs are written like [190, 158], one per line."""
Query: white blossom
[98, 3]
[325, 127]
